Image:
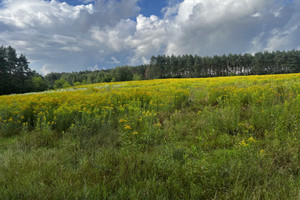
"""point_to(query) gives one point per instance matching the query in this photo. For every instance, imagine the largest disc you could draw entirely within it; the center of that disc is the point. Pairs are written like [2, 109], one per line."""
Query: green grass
[212, 146]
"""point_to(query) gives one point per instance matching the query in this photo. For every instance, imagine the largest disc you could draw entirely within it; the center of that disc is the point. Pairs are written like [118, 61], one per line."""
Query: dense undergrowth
[213, 138]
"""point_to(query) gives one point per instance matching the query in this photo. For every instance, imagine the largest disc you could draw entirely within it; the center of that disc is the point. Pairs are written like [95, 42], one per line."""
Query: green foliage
[122, 74]
[15, 75]
[59, 83]
[189, 66]
[77, 83]
[136, 77]
[113, 79]
[66, 84]
[39, 84]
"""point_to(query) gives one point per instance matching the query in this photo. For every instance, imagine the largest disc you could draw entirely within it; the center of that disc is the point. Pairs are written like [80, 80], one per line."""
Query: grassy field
[213, 138]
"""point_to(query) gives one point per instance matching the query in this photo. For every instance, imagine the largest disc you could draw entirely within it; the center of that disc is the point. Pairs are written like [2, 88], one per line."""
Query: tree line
[17, 77]
[189, 66]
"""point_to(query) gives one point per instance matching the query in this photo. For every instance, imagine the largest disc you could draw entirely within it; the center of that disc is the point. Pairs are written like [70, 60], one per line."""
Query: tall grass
[214, 138]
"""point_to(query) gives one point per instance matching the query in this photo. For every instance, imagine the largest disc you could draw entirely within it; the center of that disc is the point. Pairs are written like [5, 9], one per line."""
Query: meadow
[211, 138]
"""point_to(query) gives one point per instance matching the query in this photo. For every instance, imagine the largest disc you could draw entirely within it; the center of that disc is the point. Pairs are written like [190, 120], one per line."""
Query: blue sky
[148, 7]
[153, 7]
[59, 36]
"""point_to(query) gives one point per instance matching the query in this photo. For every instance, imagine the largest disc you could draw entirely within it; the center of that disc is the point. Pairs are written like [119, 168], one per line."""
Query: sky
[76, 35]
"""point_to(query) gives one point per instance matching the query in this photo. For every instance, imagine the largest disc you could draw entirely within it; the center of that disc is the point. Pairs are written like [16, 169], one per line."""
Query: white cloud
[56, 36]
[218, 27]
[114, 60]
[95, 68]
[257, 14]
[46, 69]
[61, 36]
[150, 38]
[71, 48]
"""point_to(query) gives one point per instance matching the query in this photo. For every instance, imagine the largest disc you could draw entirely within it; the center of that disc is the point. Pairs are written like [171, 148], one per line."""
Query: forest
[17, 77]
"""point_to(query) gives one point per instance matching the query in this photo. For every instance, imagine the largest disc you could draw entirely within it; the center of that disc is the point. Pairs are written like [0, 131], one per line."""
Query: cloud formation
[56, 36]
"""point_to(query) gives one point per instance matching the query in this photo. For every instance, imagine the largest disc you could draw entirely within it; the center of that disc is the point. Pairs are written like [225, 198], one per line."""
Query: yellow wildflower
[135, 133]
[127, 127]
[241, 124]
[251, 139]
[243, 143]
[261, 152]
[251, 127]
[158, 125]
[122, 120]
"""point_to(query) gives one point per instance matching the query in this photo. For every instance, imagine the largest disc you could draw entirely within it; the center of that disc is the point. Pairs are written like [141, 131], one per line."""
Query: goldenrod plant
[205, 138]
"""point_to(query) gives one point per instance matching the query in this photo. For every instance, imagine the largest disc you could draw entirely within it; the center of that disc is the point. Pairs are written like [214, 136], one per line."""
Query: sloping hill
[213, 138]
